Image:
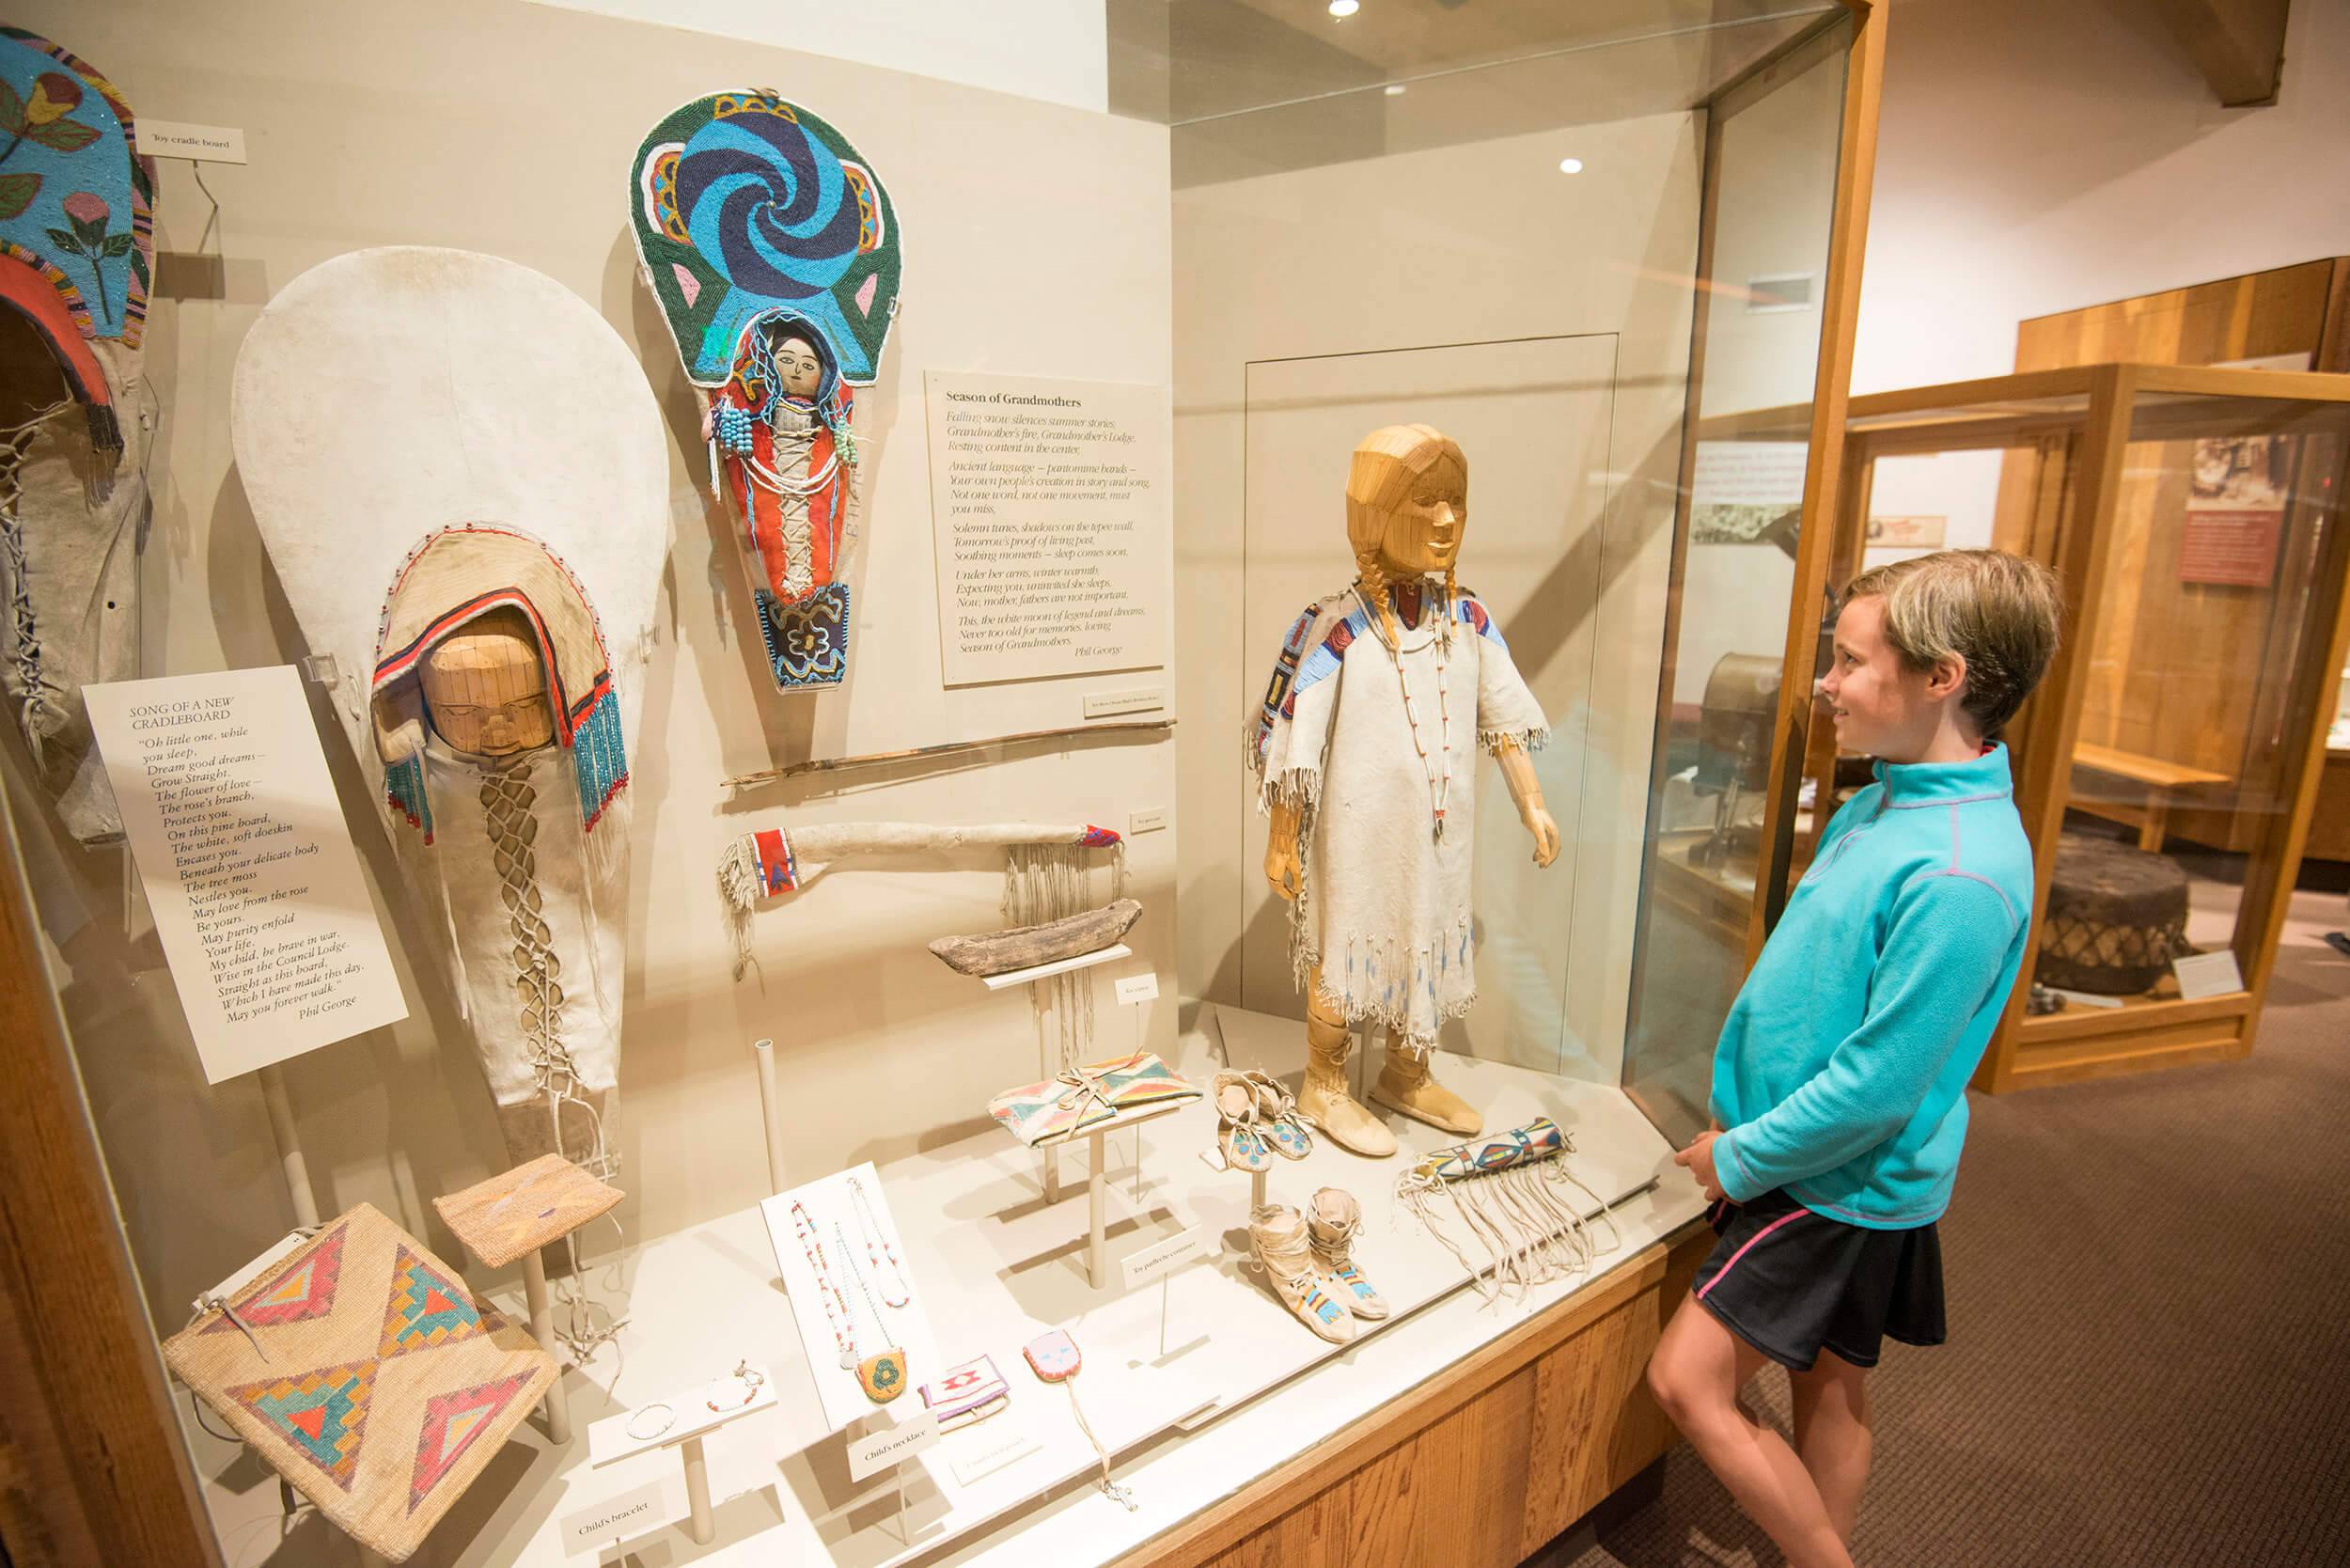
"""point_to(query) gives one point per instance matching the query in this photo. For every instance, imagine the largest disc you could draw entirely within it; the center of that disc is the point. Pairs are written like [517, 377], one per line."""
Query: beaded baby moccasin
[1332, 1220]
[1278, 1235]
[1278, 1118]
[1238, 1136]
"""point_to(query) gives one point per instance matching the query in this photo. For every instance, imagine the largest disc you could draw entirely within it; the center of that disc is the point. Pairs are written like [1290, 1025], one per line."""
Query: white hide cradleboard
[826, 1202]
[428, 436]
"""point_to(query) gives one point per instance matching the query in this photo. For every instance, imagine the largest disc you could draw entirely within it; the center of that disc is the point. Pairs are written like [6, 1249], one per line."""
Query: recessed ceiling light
[1569, 166]
[1345, 8]
[1395, 89]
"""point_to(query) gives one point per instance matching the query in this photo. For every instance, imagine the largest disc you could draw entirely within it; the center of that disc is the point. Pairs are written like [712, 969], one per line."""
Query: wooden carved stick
[834, 764]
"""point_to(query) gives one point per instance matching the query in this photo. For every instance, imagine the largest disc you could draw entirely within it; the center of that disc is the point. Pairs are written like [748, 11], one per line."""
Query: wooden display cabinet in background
[2293, 318]
[2176, 697]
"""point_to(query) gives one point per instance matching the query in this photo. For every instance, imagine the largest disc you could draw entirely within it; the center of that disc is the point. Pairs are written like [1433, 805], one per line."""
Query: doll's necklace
[836, 1304]
[1439, 767]
[877, 1248]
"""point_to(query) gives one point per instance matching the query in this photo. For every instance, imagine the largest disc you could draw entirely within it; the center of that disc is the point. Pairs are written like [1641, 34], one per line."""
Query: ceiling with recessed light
[1252, 87]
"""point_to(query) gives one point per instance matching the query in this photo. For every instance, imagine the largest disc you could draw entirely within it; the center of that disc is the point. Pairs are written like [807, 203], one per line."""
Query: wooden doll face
[486, 691]
[798, 367]
[1425, 525]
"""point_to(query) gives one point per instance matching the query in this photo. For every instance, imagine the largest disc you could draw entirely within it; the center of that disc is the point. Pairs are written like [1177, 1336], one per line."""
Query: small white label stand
[608, 1443]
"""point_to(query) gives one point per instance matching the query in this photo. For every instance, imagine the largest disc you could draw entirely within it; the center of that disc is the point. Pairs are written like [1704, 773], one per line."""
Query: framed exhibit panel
[681, 607]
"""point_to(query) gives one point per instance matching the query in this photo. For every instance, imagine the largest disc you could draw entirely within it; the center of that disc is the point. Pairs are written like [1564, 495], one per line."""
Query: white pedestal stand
[608, 1443]
[770, 1111]
[558, 1404]
[1098, 1183]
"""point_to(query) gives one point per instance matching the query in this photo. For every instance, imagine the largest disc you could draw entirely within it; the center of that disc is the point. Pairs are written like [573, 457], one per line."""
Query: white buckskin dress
[1384, 909]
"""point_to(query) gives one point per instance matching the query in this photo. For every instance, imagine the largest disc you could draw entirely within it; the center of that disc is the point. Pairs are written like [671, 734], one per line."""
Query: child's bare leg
[1833, 1435]
[1696, 1374]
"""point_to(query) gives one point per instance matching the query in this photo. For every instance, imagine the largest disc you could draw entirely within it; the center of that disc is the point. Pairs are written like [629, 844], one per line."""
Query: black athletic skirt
[1789, 1281]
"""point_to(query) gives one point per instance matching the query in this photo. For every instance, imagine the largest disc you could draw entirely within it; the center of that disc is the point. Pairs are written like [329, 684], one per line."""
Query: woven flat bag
[363, 1370]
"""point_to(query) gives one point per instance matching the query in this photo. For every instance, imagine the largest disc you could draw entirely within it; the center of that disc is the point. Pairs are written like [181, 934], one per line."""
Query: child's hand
[1699, 1157]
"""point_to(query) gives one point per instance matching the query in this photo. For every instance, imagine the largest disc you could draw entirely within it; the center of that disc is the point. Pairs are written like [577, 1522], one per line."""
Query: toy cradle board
[360, 1368]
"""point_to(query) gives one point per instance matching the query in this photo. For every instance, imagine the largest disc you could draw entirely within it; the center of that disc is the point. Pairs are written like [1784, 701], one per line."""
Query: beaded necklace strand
[1439, 780]
[836, 1304]
[882, 1255]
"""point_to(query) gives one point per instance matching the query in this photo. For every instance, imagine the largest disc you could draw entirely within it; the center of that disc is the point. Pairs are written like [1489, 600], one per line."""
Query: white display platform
[1001, 1264]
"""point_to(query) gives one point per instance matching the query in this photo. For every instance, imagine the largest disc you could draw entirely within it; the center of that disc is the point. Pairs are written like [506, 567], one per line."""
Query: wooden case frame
[2080, 422]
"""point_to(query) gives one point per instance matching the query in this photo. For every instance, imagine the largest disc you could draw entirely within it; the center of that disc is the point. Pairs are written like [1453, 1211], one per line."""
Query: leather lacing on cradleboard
[508, 798]
[23, 630]
[1514, 1195]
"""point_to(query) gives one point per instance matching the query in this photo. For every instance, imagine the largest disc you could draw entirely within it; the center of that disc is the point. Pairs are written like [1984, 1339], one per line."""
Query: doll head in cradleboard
[76, 259]
[773, 249]
[462, 478]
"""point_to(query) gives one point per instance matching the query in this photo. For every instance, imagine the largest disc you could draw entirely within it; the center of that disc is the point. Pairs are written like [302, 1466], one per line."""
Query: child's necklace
[1439, 769]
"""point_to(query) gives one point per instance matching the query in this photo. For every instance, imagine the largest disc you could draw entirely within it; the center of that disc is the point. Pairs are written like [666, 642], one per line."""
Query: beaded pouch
[1081, 1097]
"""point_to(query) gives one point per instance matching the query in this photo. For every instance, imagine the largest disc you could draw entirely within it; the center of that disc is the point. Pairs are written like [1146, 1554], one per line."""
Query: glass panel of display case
[1741, 494]
[2180, 789]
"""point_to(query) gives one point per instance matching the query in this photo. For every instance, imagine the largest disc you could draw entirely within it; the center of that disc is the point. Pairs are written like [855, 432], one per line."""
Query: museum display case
[2169, 791]
[635, 932]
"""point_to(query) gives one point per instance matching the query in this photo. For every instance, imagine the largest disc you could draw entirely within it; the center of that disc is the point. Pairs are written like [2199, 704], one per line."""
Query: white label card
[247, 862]
[1005, 1443]
[892, 1445]
[1138, 988]
[204, 143]
[1049, 511]
[1146, 1264]
[2203, 975]
[633, 1513]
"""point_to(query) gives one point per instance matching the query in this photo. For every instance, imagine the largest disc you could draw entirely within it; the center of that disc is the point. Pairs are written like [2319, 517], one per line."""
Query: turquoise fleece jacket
[1842, 1070]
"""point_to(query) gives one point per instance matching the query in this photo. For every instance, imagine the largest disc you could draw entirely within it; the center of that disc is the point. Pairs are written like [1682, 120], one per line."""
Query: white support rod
[703, 1527]
[1097, 1195]
[1256, 1191]
[281, 1126]
[770, 1111]
[542, 1330]
[1052, 1173]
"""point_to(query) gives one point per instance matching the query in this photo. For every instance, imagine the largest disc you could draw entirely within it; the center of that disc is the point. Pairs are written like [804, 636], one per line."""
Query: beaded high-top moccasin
[1276, 1233]
[1332, 1220]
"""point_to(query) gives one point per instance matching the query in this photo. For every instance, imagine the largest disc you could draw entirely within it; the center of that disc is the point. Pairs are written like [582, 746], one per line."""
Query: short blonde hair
[1997, 612]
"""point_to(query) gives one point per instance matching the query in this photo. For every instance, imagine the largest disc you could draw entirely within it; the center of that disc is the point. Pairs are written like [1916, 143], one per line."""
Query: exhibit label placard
[879, 1451]
[1049, 508]
[633, 1513]
[247, 862]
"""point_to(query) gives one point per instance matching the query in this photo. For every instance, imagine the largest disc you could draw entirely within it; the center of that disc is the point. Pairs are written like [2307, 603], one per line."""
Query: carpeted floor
[2148, 1283]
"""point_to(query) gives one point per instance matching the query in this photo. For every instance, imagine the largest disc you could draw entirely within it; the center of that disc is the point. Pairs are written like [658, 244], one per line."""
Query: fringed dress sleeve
[1506, 708]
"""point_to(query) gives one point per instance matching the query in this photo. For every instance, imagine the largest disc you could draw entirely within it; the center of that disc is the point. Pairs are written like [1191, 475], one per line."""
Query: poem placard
[1049, 506]
[247, 863]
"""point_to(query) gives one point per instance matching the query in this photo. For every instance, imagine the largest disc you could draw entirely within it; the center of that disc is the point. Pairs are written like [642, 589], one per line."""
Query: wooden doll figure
[1365, 754]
